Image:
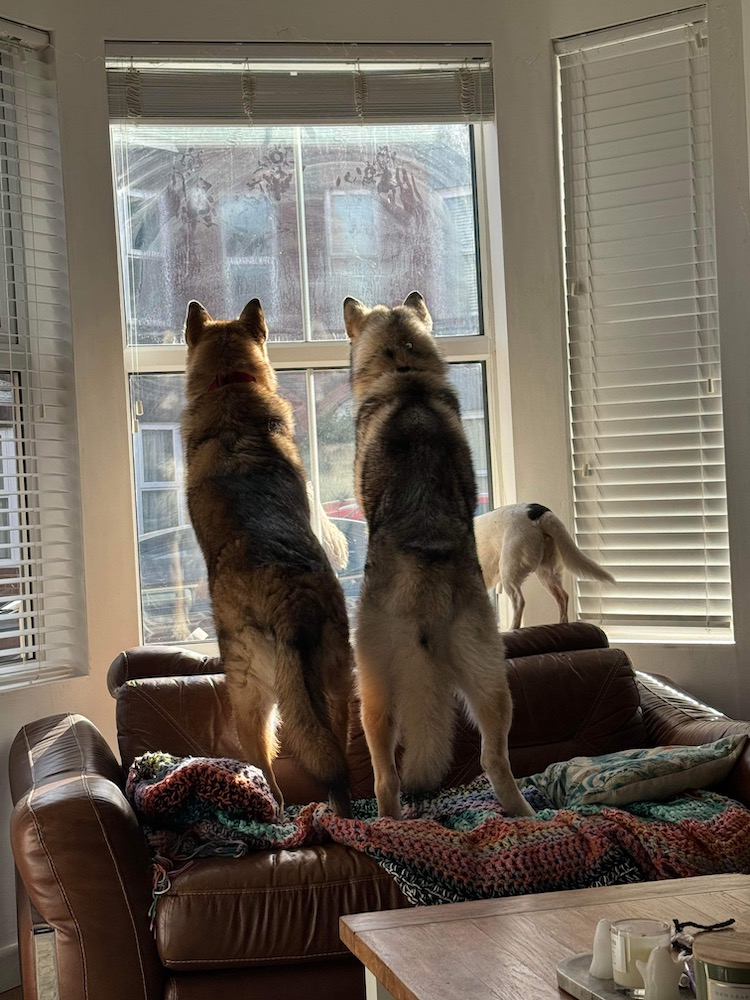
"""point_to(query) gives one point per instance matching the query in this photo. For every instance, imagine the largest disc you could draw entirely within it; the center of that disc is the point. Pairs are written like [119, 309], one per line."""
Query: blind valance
[291, 84]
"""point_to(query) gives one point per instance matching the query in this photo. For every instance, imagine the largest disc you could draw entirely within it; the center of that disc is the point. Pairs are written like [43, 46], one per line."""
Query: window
[368, 187]
[42, 628]
[643, 325]
[158, 450]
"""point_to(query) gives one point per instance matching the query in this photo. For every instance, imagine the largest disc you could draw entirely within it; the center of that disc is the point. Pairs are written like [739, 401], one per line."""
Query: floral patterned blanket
[456, 845]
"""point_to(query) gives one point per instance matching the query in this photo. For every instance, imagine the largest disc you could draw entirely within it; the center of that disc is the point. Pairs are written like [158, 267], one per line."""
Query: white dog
[524, 538]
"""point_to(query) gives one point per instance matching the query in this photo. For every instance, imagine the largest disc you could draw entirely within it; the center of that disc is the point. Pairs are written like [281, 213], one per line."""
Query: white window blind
[295, 84]
[643, 325]
[42, 628]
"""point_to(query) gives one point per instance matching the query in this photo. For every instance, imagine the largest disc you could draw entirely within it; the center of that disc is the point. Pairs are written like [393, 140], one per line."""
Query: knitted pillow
[637, 775]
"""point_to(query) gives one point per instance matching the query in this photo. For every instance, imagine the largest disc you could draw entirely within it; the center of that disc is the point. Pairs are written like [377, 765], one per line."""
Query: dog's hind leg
[517, 602]
[380, 733]
[552, 580]
[425, 711]
[479, 658]
[254, 710]
[375, 655]
[516, 563]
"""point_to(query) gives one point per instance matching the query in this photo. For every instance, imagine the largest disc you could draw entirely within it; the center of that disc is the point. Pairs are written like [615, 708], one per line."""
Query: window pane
[174, 590]
[293, 387]
[11, 569]
[389, 209]
[160, 509]
[343, 526]
[158, 455]
[644, 343]
[212, 214]
[207, 214]
[468, 381]
[5, 525]
[175, 603]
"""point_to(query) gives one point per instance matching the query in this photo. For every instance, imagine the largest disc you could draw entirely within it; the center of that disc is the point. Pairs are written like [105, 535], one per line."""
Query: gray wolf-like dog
[426, 630]
[280, 616]
[523, 538]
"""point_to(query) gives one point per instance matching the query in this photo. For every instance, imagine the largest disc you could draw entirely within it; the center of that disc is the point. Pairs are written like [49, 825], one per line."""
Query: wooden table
[509, 949]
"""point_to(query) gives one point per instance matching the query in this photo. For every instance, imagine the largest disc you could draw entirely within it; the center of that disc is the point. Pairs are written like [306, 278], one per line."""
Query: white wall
[520, 31]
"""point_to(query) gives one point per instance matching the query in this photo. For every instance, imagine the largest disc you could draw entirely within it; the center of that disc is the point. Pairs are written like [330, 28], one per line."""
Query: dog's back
[416, 480]
[521, 522]
[425, 625]
[248, 504]
[279, 609]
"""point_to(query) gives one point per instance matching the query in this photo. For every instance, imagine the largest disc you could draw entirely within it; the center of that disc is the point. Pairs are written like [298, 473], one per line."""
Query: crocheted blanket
[454, 846]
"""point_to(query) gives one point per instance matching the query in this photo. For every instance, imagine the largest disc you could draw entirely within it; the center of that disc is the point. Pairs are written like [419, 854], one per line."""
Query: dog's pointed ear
[355, 313]
[415, 301]
[252, 317]
[195, 320]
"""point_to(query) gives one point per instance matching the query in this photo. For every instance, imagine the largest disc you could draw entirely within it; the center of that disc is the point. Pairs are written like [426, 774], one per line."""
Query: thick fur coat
[279, 609]
[426, 630]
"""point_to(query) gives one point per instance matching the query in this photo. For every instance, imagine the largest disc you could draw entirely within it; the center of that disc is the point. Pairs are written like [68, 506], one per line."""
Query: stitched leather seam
[569, 738]
[271, 891]
[53, 867]
[84, 778]
[170, 721]
[669, 701]
[217, 963]
[602, 692]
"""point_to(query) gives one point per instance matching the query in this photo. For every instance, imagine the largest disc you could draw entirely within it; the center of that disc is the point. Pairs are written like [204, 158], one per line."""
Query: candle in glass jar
[632, 941]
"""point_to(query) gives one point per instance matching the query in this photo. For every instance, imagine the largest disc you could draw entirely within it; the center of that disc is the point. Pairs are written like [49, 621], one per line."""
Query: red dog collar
[221, 380]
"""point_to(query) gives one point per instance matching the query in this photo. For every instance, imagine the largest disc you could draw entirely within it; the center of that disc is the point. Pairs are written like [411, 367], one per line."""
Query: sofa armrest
[159, 661]
[84, 864]
[535, 639]
[672, 716]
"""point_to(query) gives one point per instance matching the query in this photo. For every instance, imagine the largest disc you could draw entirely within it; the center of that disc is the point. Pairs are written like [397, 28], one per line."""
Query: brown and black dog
[426, 630]
[279, 609]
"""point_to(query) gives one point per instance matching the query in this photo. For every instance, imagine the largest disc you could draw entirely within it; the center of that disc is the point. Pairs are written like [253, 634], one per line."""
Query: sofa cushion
[267, 907]
[642, 775]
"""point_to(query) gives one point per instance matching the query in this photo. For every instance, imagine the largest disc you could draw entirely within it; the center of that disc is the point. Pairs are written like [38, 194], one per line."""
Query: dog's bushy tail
[579, 564]
[304, 709]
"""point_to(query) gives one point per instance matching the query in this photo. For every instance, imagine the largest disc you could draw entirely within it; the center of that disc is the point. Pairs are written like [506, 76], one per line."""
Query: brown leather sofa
[266, 925]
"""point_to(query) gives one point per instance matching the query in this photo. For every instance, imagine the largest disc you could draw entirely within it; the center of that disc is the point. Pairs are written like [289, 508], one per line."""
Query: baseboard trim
[10, 969]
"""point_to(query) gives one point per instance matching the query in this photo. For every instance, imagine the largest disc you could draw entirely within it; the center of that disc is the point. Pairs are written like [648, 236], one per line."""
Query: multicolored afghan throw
[456, 845]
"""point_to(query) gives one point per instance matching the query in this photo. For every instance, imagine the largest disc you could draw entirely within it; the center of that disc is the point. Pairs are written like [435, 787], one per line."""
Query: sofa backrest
[572, 694]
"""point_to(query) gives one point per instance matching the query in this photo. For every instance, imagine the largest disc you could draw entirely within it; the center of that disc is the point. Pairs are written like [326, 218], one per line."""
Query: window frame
[310, 355]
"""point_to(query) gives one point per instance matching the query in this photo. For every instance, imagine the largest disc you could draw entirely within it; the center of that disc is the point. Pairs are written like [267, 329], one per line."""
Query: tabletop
[503, 949]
